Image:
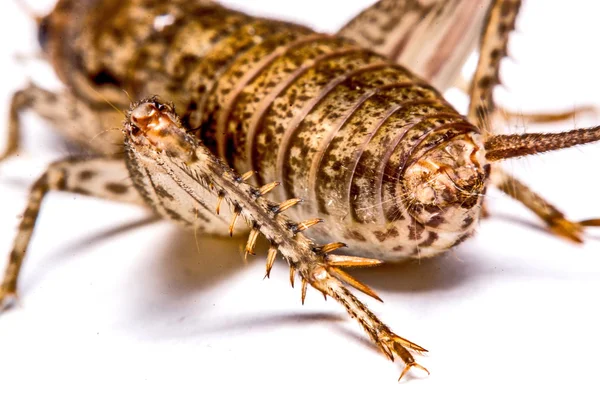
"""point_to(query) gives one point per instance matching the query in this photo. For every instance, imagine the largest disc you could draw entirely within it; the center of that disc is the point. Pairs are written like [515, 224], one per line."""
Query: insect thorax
[393, 169]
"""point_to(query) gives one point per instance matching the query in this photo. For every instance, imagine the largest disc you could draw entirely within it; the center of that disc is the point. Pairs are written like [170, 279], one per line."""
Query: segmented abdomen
[335, 123]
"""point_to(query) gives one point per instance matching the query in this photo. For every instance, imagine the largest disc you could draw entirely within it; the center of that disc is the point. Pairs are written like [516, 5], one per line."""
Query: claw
[392, 344]
[412, 365]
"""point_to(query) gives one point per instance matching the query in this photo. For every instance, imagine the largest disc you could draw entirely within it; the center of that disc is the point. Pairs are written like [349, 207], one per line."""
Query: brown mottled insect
[373, 149]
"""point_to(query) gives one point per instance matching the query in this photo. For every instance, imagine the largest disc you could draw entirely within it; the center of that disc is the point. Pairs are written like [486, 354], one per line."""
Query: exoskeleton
[349, 129]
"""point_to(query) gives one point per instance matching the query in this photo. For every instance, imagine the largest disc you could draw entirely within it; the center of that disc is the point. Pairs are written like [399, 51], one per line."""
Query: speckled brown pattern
[376, 152]
[337, 125]
[159, 151]
[500, 22]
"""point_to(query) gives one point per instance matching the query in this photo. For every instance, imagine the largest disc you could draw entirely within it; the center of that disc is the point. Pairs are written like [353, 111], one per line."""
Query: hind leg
[493, 48]
[554, 218]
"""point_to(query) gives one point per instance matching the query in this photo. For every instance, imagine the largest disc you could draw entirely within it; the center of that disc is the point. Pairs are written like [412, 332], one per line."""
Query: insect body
[374, 151]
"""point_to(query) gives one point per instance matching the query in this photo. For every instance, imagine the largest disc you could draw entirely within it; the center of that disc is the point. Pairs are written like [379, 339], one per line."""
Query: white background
[109, 310]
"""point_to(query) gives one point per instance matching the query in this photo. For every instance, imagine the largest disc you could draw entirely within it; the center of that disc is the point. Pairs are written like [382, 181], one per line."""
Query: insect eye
[162, 107]
[134, 129]
[43, 32]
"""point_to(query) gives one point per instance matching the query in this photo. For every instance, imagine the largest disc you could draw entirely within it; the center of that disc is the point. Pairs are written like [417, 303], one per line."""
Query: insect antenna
[131, 100]
[103, 132]
[108, 101]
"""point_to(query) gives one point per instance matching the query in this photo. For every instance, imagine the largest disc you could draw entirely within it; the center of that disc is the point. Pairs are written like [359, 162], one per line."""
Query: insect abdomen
[338, 125]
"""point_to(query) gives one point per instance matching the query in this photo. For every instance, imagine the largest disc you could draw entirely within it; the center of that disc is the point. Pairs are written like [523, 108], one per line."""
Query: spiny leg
[190, 166]
[100, 177]
[75, 120]
[493, 48]
[387, 341]
[500, 22]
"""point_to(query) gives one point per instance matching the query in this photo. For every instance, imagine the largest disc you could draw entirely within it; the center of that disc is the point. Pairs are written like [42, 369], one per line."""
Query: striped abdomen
[393, 169]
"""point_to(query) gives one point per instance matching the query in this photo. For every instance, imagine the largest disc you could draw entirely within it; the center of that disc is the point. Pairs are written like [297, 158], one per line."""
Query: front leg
[100, 177]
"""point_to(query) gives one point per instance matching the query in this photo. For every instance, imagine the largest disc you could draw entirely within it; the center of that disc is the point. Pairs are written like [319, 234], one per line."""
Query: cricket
[339, 149]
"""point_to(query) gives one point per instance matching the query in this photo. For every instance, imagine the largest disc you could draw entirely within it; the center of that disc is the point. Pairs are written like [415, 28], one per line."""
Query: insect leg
[191, 166]
[100, 177]
[502, 147]
[388, 342]
[71, 117]
[493, 47]
[500, 22]
[555, 219]
[432, 38]
[550, 117]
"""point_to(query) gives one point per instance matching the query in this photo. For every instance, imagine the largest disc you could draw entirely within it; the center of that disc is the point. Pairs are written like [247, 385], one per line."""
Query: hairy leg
[193, 176]
[500, 22]
[554, 218]
[95, 129]
[502, 147]
[99, 177]
[549, 117]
